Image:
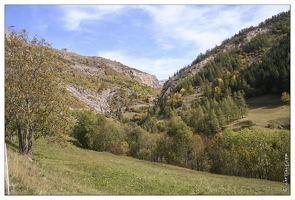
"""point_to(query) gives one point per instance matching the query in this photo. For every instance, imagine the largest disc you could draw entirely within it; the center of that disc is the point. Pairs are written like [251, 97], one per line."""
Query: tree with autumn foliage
[253, 153]
[285, 97]
[33, 90]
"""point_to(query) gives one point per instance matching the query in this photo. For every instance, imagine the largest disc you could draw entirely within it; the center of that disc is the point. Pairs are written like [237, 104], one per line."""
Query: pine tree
[241, 104]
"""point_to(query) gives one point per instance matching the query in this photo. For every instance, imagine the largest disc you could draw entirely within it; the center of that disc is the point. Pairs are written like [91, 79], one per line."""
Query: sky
[154, 37]
[157, 39]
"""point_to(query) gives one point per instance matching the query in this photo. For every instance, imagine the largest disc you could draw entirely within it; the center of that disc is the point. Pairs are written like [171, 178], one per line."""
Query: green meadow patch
[74, 171]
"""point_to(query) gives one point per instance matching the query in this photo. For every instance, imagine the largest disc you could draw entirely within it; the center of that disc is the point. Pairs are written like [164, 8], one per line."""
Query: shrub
[285, 97]
[95, 131]
[255, 153]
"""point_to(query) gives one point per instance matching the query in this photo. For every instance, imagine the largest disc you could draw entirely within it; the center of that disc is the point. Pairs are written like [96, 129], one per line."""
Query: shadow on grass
[11, 144]
[76, 143]
[288, 127]
[263, 105]
[243, 125]
[265, 101]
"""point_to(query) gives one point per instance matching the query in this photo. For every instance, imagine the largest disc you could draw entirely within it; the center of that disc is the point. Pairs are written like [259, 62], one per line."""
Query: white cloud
[189, 29]
[161, 67]
[268, 11]
[74, 16]
[203, 26]
[193, 29]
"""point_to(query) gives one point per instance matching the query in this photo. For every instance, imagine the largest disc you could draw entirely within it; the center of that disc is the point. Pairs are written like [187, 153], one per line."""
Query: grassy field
[265, 111]
[75, 171]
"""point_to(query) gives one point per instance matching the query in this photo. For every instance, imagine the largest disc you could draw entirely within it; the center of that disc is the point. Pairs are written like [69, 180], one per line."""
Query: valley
[91, 125]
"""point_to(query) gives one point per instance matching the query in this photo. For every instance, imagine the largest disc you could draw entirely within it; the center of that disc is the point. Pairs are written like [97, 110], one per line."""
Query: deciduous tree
[33, 89]
[285, 97]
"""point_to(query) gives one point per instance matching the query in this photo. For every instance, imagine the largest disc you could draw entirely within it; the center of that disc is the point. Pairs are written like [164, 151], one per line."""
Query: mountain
[247, 48]
[161, 82]
[212, 92]
[94, 64]
[222, 114]
[104, 85]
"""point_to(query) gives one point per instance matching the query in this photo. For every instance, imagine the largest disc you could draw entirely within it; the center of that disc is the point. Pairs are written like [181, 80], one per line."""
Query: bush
[254, 153]
[95, 131]
[119, 148]
[246, 124]
[285, 98]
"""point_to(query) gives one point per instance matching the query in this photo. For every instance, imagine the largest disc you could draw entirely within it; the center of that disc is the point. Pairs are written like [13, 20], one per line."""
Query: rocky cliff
[103, 85]
[94, 63]
[145, 78]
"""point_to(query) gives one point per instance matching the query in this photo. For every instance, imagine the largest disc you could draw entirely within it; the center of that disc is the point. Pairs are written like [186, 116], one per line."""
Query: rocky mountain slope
[104, 85]
[93, 64]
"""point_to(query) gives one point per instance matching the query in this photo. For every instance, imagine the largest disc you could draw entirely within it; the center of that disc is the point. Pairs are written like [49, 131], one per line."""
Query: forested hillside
[252, 63]
[191, 123]
[187, 127]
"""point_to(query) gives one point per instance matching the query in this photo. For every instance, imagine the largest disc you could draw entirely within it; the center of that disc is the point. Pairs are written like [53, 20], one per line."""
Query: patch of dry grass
[266, 110]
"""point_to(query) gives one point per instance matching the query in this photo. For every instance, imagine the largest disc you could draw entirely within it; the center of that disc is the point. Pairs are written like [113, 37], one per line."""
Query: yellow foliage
[177, 95]
[285, 97]
[139, 116]
[182, 91]
[220, 80]
[234, 77]
[217, 90]
[124, 146]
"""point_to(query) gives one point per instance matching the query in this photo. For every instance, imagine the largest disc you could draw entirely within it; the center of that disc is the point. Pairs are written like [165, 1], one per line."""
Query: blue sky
[158, 39]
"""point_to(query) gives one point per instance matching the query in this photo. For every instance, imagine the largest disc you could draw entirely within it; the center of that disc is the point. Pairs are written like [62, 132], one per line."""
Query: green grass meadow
[70, 170]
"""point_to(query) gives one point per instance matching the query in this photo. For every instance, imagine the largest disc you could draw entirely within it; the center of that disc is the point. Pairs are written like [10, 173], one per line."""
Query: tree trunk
[21, 147]
[29, 134]
[25, 140]
[30, 142]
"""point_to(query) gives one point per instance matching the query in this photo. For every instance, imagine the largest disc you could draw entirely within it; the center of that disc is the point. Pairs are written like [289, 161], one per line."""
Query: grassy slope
[72, 170]
[265, 110]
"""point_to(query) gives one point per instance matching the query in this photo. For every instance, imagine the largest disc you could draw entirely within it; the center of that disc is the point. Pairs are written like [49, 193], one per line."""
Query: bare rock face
[172, 83]
[255, 32]
[145, 78]
[197, 67]
[86, 74]
[94, 101]
[93, 64]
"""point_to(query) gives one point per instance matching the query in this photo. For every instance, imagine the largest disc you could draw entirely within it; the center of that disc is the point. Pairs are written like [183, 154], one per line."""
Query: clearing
[266, 111]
